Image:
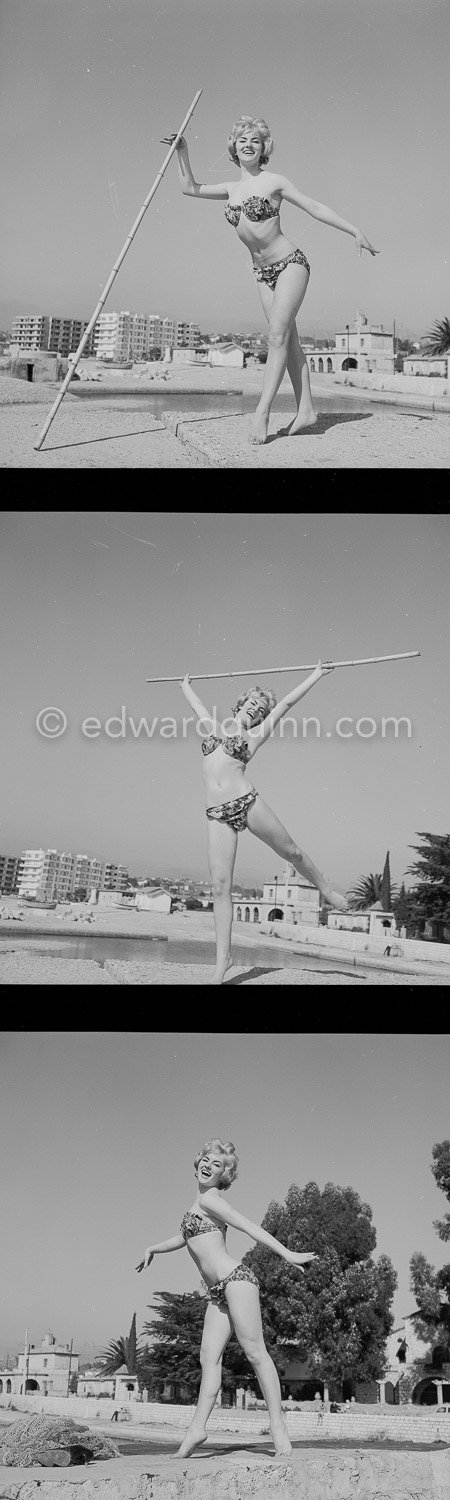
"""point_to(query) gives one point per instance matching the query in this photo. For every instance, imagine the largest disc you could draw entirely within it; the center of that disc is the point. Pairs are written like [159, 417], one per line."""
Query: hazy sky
[355, 92]
[100, 1130]
[93, 604]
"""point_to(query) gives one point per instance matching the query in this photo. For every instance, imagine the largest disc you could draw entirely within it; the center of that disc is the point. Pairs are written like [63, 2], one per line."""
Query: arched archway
[239, 914]
[247, 914]
[312, 365]
[349, 364]
[8, 1387]
[32, 1385]
[329, 366]
[275, 915]
[256, 914]
[320, 366]
[1, 1387]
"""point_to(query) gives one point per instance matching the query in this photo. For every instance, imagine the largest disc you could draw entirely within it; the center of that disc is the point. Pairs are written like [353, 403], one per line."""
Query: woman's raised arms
[213, 1202]
[321, 212]
[257, 737]
[190, 187]
[203, 713]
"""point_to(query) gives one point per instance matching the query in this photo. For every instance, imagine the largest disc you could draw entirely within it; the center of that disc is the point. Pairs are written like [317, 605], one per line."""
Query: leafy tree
[338, 1315]
[432, 1288]
[403, 907]
[175, 1353]
[432, 892]
[437, 341]
[367, 892]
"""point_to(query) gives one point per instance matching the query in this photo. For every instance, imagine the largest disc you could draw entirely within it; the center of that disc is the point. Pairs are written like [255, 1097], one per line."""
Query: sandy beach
[362, 431]
[22, 960]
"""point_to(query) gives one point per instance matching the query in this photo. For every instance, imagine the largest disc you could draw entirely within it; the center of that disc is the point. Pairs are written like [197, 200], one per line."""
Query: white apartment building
[30, 332]
[105, 335]
[168, 338]
[52, 873]
[37, 873]
[154, 331]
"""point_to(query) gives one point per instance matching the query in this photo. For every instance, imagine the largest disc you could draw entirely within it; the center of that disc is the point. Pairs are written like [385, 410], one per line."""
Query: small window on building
[247, 914]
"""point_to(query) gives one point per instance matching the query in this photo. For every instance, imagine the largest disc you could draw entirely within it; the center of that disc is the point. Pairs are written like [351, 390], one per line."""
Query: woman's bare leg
[299, 373]
[243, 1302]
[287, 299]
[217, 1329]
[265, 824]
[222, 846]
[297, 365]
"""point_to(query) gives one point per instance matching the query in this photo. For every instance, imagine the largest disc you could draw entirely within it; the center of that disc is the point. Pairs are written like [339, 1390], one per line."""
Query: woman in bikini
[232, 1290]
[232, 803]
[281, 269]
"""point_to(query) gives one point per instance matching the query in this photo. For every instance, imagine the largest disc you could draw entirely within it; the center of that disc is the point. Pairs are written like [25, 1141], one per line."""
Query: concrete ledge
[329, 1474]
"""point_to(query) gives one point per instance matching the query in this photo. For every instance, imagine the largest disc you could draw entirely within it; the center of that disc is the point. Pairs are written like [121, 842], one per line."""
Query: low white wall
[419, 1424]
[359, 942]
[408, 384]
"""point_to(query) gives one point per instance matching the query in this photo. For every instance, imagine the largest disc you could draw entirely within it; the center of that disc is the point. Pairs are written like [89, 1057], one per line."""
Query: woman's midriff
[226, 781]
[265, 241]
[213, 1261]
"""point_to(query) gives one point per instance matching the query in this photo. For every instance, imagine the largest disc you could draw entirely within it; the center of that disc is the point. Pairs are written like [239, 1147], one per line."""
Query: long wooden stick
[114, 271]
[305, 667]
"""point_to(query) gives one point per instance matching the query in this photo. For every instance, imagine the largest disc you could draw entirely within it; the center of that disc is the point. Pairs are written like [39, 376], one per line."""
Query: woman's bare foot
[220, 971]
[260, 425]
[194, 1438]
[335, 898]
[306, 417]
[282, 1441]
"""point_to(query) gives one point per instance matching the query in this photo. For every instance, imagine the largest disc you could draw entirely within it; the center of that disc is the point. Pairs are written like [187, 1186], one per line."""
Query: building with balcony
[30, 332]
[9, 872]
[65, 335]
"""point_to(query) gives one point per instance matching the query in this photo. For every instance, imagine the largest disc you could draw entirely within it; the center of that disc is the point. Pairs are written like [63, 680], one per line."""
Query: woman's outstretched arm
[177, 1242]
[189, 186]
[199, 708]
[213, 1201]
[324, 214]
[261, 733]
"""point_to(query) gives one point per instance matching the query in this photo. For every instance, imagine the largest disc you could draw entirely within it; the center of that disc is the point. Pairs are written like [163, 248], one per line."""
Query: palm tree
[120, 1352]
[437, 342]
[367, 892]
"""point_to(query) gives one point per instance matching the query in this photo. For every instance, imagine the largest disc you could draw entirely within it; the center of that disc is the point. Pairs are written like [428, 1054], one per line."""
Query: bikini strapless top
[233, 745]
[192, 1224]
[255, 209]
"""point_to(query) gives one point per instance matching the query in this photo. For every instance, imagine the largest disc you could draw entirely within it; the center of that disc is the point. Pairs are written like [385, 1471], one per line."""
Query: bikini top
[255, 209]
[192, 1224]
[233, 745]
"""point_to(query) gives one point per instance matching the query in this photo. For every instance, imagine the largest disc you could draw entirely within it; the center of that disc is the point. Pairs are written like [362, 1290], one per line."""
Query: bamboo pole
[114, 271]
[305, 667]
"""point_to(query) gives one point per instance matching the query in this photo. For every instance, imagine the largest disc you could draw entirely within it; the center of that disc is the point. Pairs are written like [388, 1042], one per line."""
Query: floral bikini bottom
[270, 273]
[216, 1293]
[234, 813]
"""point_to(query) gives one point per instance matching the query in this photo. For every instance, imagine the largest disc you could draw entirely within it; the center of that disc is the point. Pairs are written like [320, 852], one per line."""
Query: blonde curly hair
[246, 122]
[266, 696]
[228, 1151]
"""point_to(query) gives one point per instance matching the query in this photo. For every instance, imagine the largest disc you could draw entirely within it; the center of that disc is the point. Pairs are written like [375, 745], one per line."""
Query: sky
[101, 1129]
[94, 603]
[355, 93]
